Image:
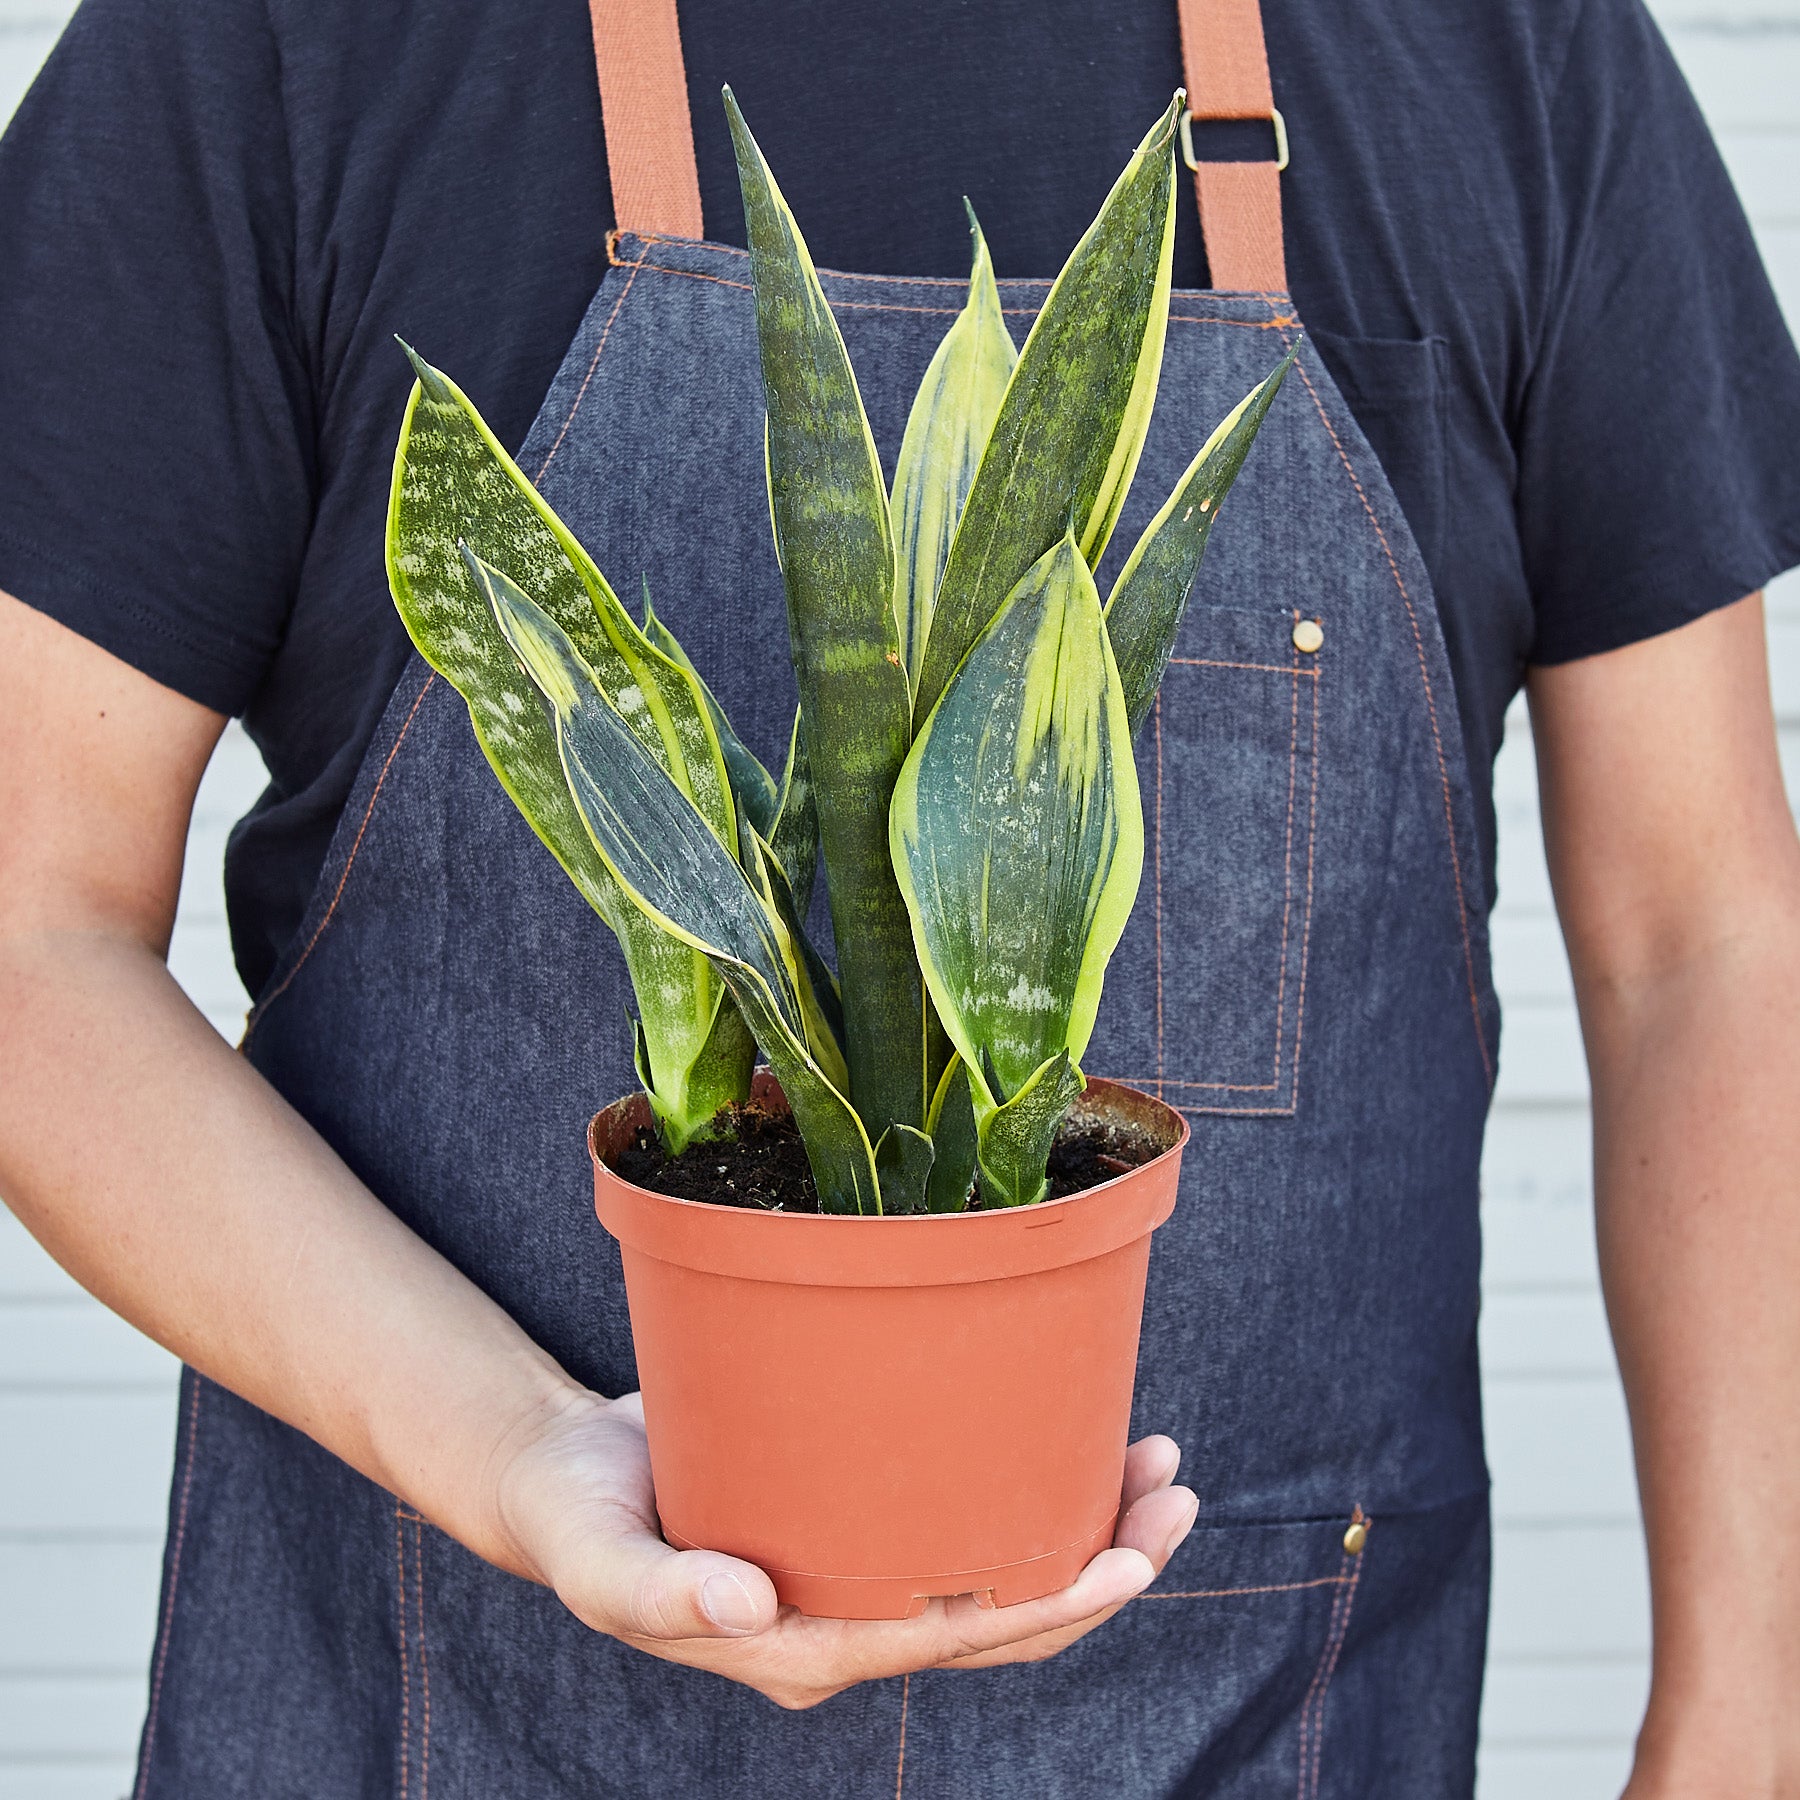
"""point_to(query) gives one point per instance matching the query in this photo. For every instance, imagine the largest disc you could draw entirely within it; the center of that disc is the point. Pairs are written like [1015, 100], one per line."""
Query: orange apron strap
[656, 183]
[644, 108]
[1227, 72]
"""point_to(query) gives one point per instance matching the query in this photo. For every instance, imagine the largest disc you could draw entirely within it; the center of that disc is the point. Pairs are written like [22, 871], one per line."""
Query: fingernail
[727, 1602]
[1180, 1532]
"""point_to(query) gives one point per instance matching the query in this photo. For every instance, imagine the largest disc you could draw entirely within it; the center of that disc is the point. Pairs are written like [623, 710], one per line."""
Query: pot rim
[894, 1250]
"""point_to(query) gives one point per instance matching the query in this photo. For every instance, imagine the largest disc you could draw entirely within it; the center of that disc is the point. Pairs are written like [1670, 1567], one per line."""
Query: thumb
[636, 1586]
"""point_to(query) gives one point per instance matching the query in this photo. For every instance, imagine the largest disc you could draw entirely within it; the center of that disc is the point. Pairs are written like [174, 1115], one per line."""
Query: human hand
[577, 1504]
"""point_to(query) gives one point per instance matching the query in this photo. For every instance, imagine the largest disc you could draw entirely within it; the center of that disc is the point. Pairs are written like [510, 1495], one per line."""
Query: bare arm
[173, 1182]
[1677, 875]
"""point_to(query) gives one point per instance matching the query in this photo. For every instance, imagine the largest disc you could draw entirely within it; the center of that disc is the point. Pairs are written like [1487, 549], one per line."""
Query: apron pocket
[1397, 389]
[1214, 1683]
[1206, 994]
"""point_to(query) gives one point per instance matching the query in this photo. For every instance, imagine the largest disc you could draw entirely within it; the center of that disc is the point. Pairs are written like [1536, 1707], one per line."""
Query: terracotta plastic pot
[879, 1410]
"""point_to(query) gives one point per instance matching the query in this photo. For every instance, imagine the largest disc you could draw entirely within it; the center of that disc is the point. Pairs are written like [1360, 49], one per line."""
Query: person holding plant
[410, 1363]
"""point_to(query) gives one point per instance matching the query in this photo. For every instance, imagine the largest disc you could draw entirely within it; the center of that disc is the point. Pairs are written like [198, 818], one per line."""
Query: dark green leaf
[954, 1142]
[903, 1161]
[829, 509]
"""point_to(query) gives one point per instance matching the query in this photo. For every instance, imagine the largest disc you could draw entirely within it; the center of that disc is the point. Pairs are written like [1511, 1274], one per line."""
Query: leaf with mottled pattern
[1017, 835]
[673, 867]
[795, 837]
[1016, 829]
[828, 506]
[453, 483]
[1072, 423]
[946, 431]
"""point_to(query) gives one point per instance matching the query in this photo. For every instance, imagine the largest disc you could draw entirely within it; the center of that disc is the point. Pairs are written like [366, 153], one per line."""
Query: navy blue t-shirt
[1508, 234]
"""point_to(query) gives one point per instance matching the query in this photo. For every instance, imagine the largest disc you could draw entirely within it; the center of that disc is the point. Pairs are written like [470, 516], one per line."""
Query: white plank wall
[86, 1405]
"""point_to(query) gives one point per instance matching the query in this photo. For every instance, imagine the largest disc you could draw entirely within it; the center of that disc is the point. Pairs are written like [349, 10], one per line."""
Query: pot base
[907, 1596]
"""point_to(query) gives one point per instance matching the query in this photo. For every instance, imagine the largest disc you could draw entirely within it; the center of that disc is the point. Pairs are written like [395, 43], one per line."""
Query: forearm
[1697, 1158]
[173, 1182]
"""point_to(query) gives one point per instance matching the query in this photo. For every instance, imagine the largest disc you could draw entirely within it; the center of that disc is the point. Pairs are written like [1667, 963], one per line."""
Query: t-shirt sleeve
[156, 472]
[1659, 439]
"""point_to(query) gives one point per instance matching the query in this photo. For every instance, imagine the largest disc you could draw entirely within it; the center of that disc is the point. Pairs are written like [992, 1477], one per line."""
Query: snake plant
[961, 761]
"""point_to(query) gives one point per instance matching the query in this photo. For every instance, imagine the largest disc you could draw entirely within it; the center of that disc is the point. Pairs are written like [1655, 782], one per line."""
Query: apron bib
[1305, 977]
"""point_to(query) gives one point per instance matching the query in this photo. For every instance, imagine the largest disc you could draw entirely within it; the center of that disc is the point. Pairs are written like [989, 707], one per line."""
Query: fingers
[1154, 1519]
[1150, 1463]
[635, 1586]
[716, 1612]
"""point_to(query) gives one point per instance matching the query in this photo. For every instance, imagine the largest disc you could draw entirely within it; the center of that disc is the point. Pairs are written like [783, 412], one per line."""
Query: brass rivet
[1356, 1537]
[1309, 634]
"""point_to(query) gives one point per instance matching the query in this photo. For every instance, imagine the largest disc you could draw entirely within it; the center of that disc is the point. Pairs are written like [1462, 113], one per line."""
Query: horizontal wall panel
[24, 43]
[1742, 78]
[27, 1269]
[95, 1716]
[78, 1343]
[108, 1778]
[1560, 1448]
[85, 1462]
[1765, 167]
[1542, 1334]
[1512, 1773]
[1784, 665]
[1780, 246]
[75, 1607]
[1565, 1592]
[1530, 963]
[1770, 20]
[1564, 1704]
[1540, 1053]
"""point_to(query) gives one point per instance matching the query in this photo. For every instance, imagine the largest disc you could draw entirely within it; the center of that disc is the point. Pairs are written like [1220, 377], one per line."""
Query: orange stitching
[1462, 905]
[424, 1656]
[1200, 662]
[900, 1764]
[168, 1615]
[1247, 324]
[952, 281]
[1161, 1080]
[405, 1668]
[1313, 1689]
[263, 1006]
[1312, 1710]
[1221, 1087]
[1284, 1587]
[1287, 869]
[581, 392]
[1236, 1112]
[1019, 312]
[1312, 833]
[1318, 1743]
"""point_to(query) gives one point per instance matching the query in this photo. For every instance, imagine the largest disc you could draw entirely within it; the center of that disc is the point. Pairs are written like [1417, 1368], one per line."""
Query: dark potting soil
[759, 1163]
[762, 1163]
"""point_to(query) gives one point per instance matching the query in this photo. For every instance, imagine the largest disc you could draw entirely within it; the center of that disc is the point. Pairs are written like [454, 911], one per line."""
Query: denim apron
[1305, 977]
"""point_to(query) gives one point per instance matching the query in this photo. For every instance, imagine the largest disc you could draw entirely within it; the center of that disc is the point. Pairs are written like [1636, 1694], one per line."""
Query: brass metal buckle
[1275, 119]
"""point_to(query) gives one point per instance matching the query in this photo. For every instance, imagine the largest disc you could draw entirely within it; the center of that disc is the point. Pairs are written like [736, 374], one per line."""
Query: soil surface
[763, 1163]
